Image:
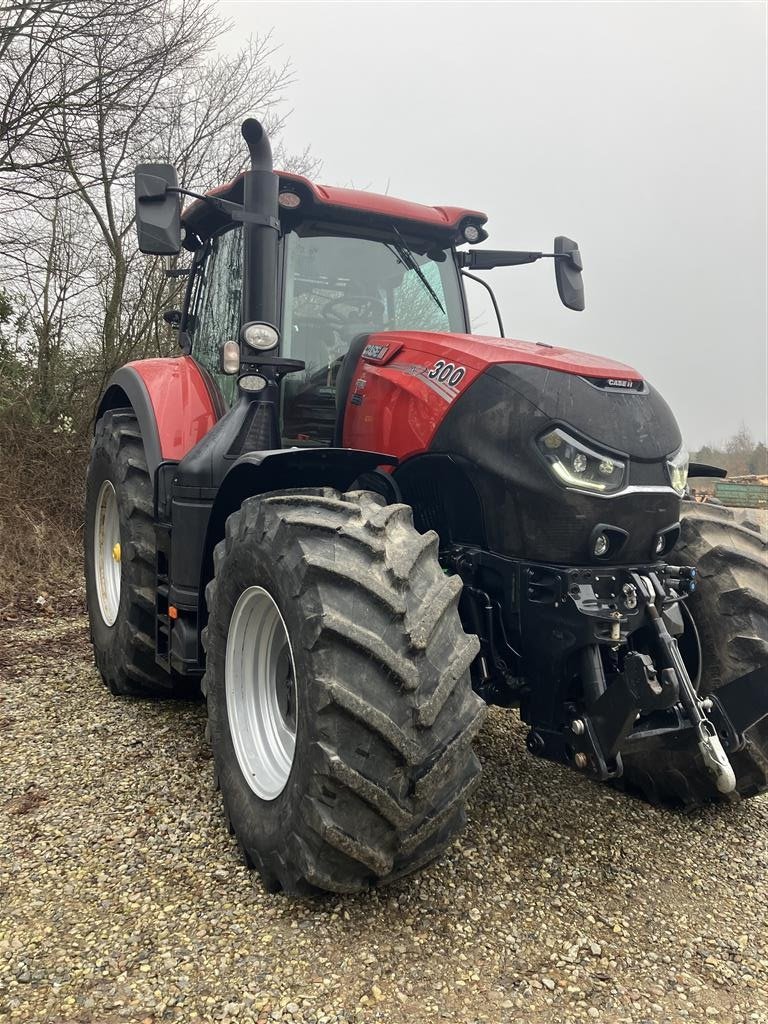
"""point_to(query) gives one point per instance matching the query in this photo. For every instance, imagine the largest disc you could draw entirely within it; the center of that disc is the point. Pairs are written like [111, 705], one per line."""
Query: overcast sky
[637, 129]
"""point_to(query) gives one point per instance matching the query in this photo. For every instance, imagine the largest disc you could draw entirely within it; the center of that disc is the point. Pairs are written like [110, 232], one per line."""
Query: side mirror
[158, 210]
[568, 267]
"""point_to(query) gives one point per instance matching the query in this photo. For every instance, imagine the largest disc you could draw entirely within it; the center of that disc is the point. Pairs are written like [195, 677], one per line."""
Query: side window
[216, 308]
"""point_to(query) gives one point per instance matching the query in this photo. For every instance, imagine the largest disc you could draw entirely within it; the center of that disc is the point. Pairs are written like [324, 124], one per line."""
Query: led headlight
[677, 467]
[260, 336]
[576, 465]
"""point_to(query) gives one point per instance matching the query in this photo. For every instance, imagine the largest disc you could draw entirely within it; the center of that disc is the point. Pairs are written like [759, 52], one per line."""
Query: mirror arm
[235, 211]
[465, 273]
[477, 259]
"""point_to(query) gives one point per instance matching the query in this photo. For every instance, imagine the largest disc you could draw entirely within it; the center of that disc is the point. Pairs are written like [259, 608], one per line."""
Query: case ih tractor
[355, 525]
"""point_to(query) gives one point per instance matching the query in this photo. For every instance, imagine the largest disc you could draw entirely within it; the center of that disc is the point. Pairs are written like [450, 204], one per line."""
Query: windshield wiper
[406, 256]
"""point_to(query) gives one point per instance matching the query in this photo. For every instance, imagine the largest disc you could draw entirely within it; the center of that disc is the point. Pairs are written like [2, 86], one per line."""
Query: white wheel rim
[107, 552]
[260, 676]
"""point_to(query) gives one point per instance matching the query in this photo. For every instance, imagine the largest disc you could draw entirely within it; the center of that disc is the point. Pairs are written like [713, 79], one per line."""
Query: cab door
[214, 314]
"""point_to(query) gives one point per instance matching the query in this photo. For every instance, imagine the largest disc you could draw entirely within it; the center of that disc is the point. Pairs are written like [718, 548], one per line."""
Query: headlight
[678, 470]
[260, 336]
[576, 465]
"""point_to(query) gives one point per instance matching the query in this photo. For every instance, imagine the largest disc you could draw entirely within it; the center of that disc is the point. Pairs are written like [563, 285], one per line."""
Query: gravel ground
[123, 898]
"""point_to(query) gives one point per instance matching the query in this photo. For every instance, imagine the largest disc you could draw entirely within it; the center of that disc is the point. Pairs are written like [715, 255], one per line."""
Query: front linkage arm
[599, 734]
[712, 751]
[594, 733]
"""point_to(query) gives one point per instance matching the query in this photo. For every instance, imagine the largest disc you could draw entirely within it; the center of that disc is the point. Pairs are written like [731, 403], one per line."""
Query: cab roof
[340, 205]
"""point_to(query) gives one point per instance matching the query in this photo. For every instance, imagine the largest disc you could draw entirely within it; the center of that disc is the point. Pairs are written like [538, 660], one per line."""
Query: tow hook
[715, 757]
[712, 751]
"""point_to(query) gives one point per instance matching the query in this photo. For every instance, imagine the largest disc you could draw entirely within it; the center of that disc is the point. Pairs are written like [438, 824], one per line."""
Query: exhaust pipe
[252, 421]
[257, 141]
[260, 229]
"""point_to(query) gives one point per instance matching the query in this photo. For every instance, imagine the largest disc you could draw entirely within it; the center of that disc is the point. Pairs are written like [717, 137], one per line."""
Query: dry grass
[42, 476]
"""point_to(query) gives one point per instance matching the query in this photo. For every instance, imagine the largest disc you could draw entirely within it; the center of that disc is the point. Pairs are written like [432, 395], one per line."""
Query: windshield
[339, 286]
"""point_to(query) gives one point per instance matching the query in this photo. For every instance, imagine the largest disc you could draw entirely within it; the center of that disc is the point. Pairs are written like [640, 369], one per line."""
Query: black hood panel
[491, 431]
[636, 423]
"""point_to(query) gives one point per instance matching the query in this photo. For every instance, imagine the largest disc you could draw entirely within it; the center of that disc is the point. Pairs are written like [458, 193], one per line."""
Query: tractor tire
[374, 682]
[121, 598]
[730, 612]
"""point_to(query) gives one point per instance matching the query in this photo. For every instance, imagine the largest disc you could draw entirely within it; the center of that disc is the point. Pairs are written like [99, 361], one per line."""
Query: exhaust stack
[260, 228]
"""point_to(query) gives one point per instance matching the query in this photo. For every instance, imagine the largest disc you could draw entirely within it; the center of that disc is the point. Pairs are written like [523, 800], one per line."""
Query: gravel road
[123, 898]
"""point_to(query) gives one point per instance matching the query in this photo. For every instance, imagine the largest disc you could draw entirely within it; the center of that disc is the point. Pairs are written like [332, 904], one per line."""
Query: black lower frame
[576, 649]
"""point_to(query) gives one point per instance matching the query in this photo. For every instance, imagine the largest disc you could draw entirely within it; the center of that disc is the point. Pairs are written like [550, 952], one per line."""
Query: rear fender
[175, 401]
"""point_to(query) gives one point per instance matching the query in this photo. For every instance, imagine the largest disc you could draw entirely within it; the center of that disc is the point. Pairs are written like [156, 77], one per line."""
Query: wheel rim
[107, 552]
[260, 678]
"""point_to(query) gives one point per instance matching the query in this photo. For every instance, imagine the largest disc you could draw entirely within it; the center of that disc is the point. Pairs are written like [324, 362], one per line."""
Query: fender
[175, 400]
[258, 472]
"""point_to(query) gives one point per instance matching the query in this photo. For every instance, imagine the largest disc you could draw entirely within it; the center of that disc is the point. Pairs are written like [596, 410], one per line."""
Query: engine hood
[480, 352]
[633, 421]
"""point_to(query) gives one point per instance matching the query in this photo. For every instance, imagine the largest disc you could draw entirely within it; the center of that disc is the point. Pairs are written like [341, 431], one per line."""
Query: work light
[252, 382]
[289, 200]
[262, 337]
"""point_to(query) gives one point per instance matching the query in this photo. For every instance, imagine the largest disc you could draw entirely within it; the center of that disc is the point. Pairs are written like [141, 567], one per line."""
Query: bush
[41, 510]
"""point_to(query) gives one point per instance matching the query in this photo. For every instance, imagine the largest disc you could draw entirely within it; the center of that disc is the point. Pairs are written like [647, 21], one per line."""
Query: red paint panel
[385, 206]
[482, 352]
[401, 405]
[445, 217]
[184, 410]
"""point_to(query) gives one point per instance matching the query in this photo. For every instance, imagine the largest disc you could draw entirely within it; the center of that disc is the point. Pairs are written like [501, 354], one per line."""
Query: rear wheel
[341, 714]
[730, 614]
[120, 560]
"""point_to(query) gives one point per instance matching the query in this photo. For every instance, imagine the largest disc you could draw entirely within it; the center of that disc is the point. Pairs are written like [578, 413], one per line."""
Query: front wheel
[341, 715]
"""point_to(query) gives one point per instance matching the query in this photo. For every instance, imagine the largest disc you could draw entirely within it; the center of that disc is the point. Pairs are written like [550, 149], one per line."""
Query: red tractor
[355, 524]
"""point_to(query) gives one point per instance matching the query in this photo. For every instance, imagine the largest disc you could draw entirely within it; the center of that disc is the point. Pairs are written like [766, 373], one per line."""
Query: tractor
[354, 525]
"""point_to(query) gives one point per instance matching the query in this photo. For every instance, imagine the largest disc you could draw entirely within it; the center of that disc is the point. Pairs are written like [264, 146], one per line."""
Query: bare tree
[46, 65]
[164, 101]
[89, 88]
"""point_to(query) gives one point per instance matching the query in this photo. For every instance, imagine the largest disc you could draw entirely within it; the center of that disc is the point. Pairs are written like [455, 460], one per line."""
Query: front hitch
[708, 740]
[611, 718]
[593, 734]
[592, 739]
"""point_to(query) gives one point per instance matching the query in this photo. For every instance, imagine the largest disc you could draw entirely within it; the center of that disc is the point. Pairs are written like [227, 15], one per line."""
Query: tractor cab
[345, 270]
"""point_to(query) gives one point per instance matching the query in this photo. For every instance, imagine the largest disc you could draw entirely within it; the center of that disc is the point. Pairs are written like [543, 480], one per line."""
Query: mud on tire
[386, 714]
[730, 610]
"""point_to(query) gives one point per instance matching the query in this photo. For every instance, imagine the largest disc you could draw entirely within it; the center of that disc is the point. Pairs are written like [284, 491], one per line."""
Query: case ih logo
[616, 382]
